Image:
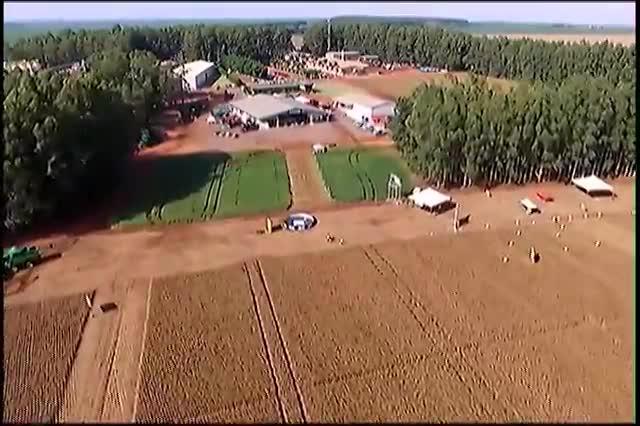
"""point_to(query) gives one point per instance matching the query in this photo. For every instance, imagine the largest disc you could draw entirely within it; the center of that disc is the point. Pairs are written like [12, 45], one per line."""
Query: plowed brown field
[40, 341]
[430, 326]
[204, 358]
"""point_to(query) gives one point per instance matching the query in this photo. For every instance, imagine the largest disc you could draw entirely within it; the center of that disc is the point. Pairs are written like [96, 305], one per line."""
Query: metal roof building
[197, 74]
[269, 111]
[362, 107]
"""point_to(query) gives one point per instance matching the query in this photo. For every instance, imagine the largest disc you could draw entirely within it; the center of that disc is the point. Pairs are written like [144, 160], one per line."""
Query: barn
[196, 75]
[364, 108]
[270, 111]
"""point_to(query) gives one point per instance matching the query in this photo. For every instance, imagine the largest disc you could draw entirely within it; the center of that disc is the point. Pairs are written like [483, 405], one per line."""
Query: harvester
[15, 259]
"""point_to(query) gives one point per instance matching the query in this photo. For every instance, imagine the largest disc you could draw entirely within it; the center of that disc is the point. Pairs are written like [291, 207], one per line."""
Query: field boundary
[265, 343]
[136, 394]
[67, 379]
[299, 396]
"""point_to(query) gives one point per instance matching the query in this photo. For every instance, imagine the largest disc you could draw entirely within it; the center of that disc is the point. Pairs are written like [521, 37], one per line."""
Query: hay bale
[518, 232]
[517, 222]
[511, 243]
[597, 243]
[570, 218]
[533, 222]
[599, 215]
[565, 248]
[563, 226]
[586, 215]
[487, 226]
[505, 259]
[557, 234]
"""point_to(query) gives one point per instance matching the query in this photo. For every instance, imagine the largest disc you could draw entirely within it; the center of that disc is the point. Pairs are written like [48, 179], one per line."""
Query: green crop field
[361, 174]
[204, 186]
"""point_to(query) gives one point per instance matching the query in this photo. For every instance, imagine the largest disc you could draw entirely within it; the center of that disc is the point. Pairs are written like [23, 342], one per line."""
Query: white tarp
[429, 198]
[592, 184]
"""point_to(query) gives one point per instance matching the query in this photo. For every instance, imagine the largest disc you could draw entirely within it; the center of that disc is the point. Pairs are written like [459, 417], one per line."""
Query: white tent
[429, 198]
[591, 184]
[529, 205]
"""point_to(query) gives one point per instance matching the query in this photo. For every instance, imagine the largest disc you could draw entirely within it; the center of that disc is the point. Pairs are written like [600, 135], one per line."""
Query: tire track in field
[353, 161]
[216, 204]
[207, 199]
[136, 395]
[440, 330]
[287, 355]
[265, 343]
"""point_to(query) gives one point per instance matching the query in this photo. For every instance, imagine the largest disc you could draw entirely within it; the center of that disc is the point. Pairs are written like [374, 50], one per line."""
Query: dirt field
[396, 84]
[40, 342]
[307, 187]
[200, 137]
[407, 321]
[624, 39]
[204, 358]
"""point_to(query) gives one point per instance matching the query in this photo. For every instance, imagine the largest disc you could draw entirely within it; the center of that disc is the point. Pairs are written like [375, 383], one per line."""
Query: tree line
[67, 137]
[212, 43]
[496, 57]
[470, 134]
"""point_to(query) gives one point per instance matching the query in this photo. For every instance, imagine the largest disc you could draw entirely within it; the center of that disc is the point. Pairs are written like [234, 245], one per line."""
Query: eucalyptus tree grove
[470, 134]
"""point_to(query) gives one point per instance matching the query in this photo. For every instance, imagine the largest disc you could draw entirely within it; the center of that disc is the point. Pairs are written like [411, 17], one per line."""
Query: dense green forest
[260, 43]
[67, 137]
[470, 134]
[495, 57]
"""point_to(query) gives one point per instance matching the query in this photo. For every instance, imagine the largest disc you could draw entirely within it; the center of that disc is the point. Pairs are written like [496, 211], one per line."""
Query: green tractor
[15, 259]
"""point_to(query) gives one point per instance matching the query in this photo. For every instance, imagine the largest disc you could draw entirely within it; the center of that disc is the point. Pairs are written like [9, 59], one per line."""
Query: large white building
[360, 107]
[196, 75]
[270, 111]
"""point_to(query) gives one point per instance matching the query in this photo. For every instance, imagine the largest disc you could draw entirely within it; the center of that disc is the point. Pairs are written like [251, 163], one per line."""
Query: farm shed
[197, 74]
[345, 55]
[361, 107]
[430, 199]
[593, 186]
[272, 88]
[268, 111]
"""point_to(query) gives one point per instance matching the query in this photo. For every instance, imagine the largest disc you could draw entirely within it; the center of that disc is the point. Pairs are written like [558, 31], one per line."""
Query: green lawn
[205, 186]
[361, 174]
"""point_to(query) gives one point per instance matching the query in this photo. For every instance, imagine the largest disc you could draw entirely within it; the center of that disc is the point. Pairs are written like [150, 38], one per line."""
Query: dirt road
[307, 186]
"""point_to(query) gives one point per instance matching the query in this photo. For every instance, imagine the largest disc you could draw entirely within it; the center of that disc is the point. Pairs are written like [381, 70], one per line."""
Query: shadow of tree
[156, 181]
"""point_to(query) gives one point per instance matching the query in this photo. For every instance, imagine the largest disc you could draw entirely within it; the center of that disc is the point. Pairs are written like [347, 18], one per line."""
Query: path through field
[307, 186]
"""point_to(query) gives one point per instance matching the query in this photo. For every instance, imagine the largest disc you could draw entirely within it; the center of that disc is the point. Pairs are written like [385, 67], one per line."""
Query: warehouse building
[269, 111]
[196, 75]
[364, 108]
[344, 55]
[273, 88]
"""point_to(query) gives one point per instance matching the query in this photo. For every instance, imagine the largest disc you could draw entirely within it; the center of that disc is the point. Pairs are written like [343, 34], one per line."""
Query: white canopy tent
[592, 184]
[429, 198]
[529, 205]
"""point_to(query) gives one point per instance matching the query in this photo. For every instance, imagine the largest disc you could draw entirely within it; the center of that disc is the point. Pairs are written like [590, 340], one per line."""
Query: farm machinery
[15, 259]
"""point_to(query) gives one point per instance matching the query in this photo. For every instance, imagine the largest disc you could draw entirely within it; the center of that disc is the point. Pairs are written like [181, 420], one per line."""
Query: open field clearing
[447, 332]
[397, 84]
[624, 39]
[361, 174]
[405, 322]
[206, 185]
[40, 342]
[204, 355]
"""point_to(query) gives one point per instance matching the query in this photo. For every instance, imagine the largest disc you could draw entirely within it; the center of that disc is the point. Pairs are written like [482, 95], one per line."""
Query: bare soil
[203, 355]
[406, 321]
[40, 342]
[396, 84]
[624, 39]
[307, 186]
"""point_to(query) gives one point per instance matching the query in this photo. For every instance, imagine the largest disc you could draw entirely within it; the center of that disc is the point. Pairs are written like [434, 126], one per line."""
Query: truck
[15, 259]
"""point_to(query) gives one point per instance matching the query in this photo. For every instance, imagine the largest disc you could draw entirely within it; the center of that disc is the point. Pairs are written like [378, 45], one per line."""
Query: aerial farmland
[273, 258]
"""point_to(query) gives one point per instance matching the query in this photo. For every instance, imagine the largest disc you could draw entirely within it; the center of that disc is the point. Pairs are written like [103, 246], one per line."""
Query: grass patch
[255, 183]
[361, 174]
[203, 186]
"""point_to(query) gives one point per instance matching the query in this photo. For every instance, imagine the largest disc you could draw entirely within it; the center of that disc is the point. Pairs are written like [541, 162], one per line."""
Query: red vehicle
[543, 196]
